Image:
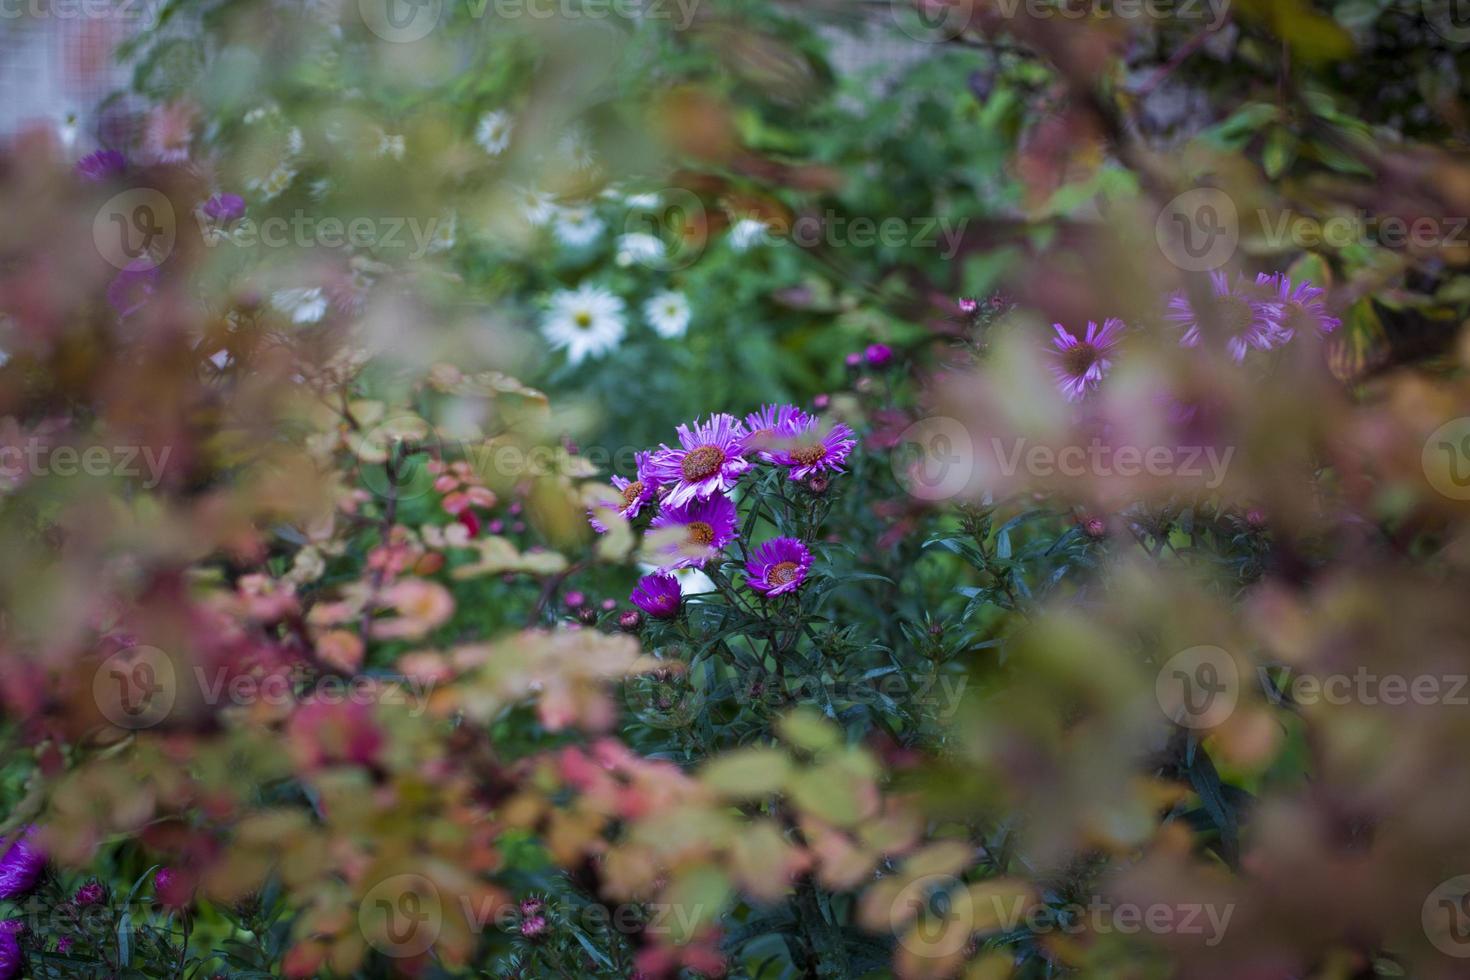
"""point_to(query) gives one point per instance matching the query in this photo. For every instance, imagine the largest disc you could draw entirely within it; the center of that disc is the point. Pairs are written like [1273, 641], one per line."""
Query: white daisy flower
[537, 207]
[639, 247]
[577, 227]
[747, 233]
[585, 322]
[668, 314]
[444, 233]
[646, 201]
[303, 305]
[493, 132]
[576, 146]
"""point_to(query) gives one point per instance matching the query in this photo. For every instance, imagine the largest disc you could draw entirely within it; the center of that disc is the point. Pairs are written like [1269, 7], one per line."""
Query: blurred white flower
[586, 322]
[493, 132]
[668, 314]
[302, 305]
[577, 227]
[537, 207]
[747, 233]
[639, 247]
[576, 146]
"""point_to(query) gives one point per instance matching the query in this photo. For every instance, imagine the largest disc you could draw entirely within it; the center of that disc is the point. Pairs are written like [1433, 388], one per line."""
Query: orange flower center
[783, 573]
[808, 455]
[702, 462]
[700, 533]
[632, 492]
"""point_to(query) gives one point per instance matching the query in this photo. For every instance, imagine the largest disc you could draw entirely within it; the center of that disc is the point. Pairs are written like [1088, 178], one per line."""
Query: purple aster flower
[224, 208]
[707, 525]
[1244, 317]
[1080, 363]
[657, 595]
[809, 451]
[89, 894]
[635, 493]
[771, 424]
[878, 355]
[1302, 308]
[778, 566]
[63, 945]
[10, 931]
[132, 287]
[710, 459]
[21, 861]
[101, 165]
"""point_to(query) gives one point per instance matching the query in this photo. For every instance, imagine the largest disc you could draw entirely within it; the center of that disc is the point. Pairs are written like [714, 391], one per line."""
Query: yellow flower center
[582, 319]
[783, 573]
[702, 462]
[632, 492]
[809, 455]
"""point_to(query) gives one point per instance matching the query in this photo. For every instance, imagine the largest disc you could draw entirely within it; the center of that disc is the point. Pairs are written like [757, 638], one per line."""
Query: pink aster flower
[658, 595]
[21, 861]
[807, 450]
[1302, 309]
[709, 460]
[707, 525]
[635, 492]
[778, 566]
[1240, 314]
[1080, 364]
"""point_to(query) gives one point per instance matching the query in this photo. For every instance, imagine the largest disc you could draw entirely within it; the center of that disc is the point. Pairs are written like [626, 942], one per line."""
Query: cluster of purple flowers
[1245, 316]
[689, 485]
[21, 862]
